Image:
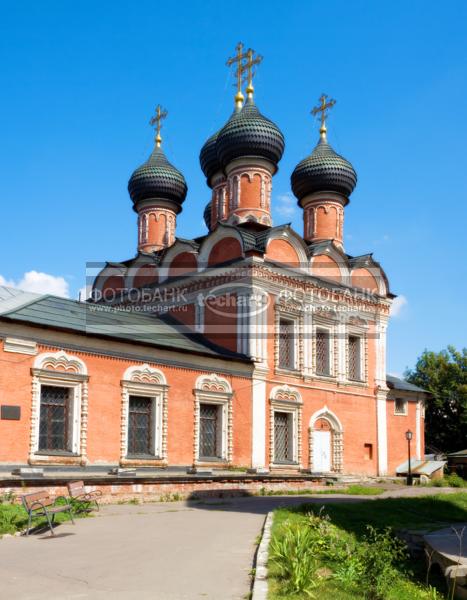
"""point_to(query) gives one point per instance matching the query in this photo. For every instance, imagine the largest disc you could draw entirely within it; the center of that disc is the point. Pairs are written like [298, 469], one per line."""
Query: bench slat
[76, 488]
[42, 497]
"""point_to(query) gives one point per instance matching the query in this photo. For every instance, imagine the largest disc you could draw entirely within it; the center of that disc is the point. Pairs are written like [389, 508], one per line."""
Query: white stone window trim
[284, 398]
[358, 332]
[215, 390]
[337, 431]
[329, 327]
[146, 381]
[293, 314]
[60, 369]
[20, 346]
[405, 411]
[294, 321]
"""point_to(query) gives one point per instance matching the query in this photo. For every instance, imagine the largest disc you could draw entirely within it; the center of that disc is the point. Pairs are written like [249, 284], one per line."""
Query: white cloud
[40, 283]
[84, 293]
[7, 282]
[398, 305]
[286, 205]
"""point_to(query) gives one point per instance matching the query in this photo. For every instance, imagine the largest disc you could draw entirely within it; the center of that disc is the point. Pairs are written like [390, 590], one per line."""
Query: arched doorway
[326, 443]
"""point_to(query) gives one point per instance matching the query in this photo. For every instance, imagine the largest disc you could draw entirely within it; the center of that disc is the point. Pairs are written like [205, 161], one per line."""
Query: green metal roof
[104, 321]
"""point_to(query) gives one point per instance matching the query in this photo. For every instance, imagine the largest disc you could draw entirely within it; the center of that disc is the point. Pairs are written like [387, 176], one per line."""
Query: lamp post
[408, 437]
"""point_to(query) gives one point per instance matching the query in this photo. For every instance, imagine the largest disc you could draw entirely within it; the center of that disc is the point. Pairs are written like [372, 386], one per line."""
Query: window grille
[323, 362]
[53, 422]
[286, 344]
[139, 425]
[208, 434]
[283, 442]
[400, 406]
[354, 366]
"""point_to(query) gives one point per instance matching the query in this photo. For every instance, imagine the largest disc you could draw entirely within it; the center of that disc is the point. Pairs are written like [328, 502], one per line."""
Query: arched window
[213, 420]
[144, 415]
[59, 407]
[285, 447]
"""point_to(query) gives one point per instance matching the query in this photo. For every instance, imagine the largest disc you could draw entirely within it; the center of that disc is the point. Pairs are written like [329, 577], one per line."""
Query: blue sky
[80, 81]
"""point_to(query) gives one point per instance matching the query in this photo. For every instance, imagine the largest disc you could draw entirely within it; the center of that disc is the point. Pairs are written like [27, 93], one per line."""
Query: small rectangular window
[209, 431]
[283, 437]
[354, 364]
[323, 349]
[54, 430]
[400, 406]
[368, 451]
[140, 426]
[286, 344]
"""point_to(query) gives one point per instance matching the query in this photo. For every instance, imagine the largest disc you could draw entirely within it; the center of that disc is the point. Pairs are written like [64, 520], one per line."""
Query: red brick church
[252, 345]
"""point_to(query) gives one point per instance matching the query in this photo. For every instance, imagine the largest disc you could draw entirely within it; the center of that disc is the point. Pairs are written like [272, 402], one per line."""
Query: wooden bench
[41, 504]
[78, 492]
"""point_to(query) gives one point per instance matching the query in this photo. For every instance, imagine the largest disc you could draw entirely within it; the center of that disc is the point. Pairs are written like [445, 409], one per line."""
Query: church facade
[251, 346]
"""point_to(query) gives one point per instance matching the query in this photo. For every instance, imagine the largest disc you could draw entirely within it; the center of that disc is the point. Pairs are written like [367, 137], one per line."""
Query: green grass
[13, 518]
[351, 490]
[355, 490]
[348, 522]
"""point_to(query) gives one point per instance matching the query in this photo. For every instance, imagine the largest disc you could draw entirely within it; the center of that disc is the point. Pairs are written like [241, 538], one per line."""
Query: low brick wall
[145, 490]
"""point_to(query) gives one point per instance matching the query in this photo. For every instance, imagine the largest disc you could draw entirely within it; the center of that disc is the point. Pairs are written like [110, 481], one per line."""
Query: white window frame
[221, 432]
[60, 369]
[157, 404]
[294, 342]
[406, 407]
[360, 358]
[215, 390]
[148, 382]
[286, 399]
[74, 411]
[330, 330]
[289, 311]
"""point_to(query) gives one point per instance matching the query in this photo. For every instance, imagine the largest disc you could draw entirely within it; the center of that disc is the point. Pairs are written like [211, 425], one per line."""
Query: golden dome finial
[160, 115]
[322, 108]
[240, 68]
[251, 61]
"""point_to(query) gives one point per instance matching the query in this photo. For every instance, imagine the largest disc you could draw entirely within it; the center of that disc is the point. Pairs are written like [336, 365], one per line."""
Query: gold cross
[160, 115]
[239, 70]
[323, 109]
[250, 63]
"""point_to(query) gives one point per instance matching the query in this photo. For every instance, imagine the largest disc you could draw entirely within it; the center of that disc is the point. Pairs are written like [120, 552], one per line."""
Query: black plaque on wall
[10, 412]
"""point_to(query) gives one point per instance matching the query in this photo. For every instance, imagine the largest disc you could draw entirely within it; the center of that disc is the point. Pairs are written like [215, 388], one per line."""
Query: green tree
[444, 375]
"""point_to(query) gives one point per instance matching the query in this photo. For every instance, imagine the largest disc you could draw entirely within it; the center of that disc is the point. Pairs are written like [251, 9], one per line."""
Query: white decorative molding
[20, 346]
[213, 383]
[285, 393]
[418, 430]
[60, 361]
[144, 374]
[382, 429]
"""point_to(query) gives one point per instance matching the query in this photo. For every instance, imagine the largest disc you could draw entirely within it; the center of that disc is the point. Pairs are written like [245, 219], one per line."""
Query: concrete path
[160, 551]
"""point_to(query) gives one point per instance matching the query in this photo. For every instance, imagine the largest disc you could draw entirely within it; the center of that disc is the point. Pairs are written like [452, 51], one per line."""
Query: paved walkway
[160, 551]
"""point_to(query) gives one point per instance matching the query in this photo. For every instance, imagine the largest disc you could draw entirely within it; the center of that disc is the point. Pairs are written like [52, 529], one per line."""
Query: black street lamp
[408, 437]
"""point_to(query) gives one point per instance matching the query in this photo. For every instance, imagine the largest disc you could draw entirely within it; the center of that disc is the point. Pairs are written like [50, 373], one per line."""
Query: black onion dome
[208, 157]
[207, 215]
[248, 133]
[323, 171]
[157, 178]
